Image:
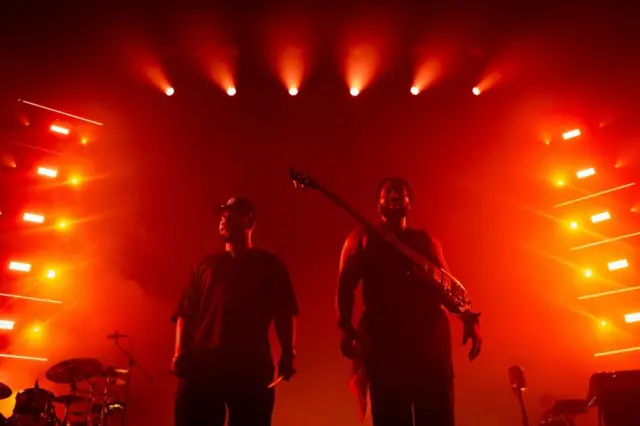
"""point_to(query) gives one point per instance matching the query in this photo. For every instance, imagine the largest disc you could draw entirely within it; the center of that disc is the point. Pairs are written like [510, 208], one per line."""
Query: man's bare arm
[349, 279]
[180, 336]
[285, 326]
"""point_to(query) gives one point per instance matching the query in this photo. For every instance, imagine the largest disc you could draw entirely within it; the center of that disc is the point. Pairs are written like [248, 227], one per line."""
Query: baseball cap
[238, 205]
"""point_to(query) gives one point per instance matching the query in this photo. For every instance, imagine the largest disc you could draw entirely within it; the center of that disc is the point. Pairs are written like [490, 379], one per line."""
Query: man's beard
[393, 214]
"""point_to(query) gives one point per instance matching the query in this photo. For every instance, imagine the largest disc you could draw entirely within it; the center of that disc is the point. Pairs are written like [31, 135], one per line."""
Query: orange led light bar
[20, 266]
[45, 171]
[60, 112]
[609, 293]
[6, 325]
[59, 129]
[24, 357]
[33, 299]
[617, 352]
[597, 194]
[618, 264]
[586, 173]
[631, 318]
[600, 217]
[33, 217]
[606, 241]
[571, 134]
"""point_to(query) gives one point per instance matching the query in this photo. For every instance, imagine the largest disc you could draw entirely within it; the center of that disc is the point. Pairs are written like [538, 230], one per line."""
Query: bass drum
[34, 407]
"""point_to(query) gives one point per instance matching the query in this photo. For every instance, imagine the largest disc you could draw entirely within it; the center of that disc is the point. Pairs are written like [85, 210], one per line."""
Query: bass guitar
[454, 295]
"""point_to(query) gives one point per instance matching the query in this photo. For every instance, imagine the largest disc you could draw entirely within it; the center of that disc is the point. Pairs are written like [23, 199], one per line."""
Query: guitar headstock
[302, 180]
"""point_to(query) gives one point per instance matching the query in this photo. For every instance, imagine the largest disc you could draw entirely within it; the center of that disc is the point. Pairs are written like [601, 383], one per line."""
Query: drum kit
[96, 393]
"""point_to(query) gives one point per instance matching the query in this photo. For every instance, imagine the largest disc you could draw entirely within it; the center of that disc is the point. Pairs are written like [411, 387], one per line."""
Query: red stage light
[48, 172]
[19, 266]
[6, 325]
[586, 173]
[571, 134]
[600, 217]
[59, 129]
[618, 264]
[33, 217]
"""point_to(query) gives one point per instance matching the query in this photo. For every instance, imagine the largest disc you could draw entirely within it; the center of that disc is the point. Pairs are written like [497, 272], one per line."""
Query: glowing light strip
[619, 351]
[35, 299]
[61, 112]
[608, 240]
[597, 194]
[27, 358]
[608, 293]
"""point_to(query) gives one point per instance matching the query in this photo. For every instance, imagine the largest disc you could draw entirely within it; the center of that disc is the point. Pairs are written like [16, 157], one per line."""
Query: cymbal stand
[72, 389]
[105, 404]
[89, 415]
[131, 363]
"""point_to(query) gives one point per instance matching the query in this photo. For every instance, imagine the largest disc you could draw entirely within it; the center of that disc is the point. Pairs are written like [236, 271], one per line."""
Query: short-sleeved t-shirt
[230, 301]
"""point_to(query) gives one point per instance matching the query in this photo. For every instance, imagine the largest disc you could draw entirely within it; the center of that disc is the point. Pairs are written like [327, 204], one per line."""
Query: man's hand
[349, 343]
[178, 364]
[472, 332]
[286, 368]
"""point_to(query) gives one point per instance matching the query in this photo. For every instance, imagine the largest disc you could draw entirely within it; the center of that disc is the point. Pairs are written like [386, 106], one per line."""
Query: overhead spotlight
[354, 91]
[51, 274]
[476, 91]
[293, 91]
[231, 91]
[588, 273]
[169, 91]
[74, 180]
[414, 90]
[573, 225]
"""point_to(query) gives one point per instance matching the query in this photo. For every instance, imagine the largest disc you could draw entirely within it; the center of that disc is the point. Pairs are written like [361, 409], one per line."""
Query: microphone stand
[131, 363]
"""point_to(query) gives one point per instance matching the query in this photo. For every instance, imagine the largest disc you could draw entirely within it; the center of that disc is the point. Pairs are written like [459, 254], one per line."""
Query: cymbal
[73, 370]
[5, 391]
[115, 376]
[68, 399]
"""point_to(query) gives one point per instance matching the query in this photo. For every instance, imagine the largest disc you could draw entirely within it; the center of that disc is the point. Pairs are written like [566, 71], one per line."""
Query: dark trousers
[202, 402]
[427, 403]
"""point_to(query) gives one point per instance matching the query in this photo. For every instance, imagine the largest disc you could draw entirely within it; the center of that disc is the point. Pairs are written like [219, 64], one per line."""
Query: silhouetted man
[403, 342]
[223, 356]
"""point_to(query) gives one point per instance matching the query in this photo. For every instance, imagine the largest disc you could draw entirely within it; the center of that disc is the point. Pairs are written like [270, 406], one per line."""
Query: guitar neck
[392, 239]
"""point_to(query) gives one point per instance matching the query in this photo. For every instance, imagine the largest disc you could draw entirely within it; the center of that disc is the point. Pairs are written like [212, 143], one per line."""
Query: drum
[34, 407]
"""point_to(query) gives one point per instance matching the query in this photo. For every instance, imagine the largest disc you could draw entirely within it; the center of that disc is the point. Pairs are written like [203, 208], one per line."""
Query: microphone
[116, 336]
[516, 378]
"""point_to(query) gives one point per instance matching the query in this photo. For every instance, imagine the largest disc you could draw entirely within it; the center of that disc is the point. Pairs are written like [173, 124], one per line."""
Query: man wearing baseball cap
[223, 356]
